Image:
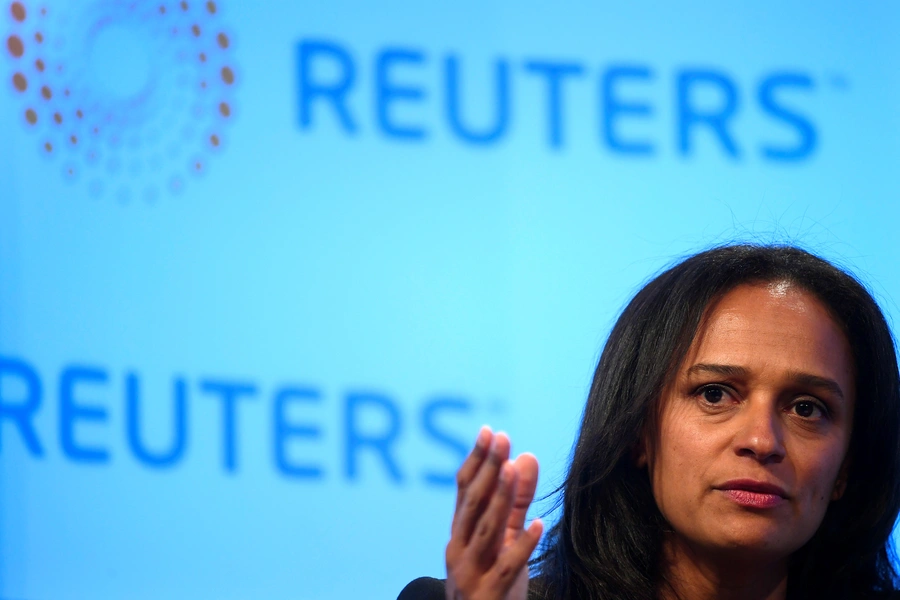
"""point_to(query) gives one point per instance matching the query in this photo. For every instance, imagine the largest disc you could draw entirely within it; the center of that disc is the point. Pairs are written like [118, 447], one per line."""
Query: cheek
[684, 455]
[818, 478]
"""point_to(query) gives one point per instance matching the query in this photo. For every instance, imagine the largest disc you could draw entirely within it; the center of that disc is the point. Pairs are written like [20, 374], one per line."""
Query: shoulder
[423, 588]
[884, 595]
[429, 588]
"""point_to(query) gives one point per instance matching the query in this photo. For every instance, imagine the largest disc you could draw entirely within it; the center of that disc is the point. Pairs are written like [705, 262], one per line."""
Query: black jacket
[429, 588]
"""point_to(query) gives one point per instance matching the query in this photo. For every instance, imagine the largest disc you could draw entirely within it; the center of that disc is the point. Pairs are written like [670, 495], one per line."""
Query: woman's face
[753, 432]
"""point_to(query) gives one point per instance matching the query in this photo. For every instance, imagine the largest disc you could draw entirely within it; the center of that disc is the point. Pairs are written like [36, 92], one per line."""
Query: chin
[772, 543]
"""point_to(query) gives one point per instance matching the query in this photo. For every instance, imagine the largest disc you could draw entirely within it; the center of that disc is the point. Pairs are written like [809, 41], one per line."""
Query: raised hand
[487, 556]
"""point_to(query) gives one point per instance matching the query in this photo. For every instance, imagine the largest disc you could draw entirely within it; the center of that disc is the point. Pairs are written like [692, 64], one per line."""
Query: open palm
[487, 556]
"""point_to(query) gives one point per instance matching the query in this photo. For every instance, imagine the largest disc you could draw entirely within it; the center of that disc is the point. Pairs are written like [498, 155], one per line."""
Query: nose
[760, 435]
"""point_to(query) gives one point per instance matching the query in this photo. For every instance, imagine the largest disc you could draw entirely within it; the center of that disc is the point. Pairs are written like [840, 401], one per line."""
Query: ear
[639, 454]
[840, 484]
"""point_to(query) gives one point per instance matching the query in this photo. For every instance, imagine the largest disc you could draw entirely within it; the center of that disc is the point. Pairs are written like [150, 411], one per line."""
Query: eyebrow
[800, 378]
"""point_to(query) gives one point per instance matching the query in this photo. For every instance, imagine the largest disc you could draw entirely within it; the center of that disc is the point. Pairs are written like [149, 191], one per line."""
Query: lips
[750, 493]
[751, 485]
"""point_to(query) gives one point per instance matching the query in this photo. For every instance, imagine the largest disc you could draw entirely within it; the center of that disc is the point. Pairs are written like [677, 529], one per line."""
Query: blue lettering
[554, 73]
[229, 393]
[388, 93]
[690, 116]
[173, 454]
[806, 133]
[614, 109]
[21, 412]
[333, 92]
[357, 407]
[285, 431]
[430, 413]
[492, 132]
[70, 412]
[707, 101]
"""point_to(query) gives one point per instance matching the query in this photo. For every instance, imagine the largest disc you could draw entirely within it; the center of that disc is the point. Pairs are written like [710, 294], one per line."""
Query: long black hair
[607, 542]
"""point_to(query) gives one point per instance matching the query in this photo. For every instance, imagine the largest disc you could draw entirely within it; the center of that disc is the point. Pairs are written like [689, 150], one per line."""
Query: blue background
[341, 299]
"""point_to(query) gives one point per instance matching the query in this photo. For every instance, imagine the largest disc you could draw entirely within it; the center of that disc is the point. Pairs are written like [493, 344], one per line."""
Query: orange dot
[66, 92]
[96, 130]
[198, 166]
[79, 114]
[227, 75]
[18, 11]
[222, 39]
[74, 139]
[46, 93]
[202, 57]
[16, 48]
[58, 118]
[39, 37]
[48, 146]
[184, 6]
[43, 12]
[20, 82]
[162, 10]
[214, 140]
[31, 116]
[196, 30]
[203, 85]
[225, 109]
[211, 7]
[39, 65]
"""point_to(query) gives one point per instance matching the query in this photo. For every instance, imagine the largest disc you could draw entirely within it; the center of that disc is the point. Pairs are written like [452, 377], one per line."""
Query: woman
[740, 440]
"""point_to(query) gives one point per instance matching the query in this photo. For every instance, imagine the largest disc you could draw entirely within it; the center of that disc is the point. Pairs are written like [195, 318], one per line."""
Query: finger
[514, 558]
[526, 466]
[469, 468]
[487, 539]
[479, 492]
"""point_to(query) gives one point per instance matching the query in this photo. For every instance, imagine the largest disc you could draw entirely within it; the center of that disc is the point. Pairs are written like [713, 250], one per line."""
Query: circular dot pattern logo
[131, 99]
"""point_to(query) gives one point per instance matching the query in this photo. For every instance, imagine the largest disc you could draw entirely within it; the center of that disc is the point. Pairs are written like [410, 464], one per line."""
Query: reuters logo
[131, 99]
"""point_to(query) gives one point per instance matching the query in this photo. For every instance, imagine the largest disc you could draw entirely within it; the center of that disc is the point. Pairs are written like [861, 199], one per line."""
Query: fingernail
[482, 437]
[494, 446]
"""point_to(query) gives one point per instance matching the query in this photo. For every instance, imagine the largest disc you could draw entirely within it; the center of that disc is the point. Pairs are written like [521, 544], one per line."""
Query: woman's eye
[713, 395]
[808, 409]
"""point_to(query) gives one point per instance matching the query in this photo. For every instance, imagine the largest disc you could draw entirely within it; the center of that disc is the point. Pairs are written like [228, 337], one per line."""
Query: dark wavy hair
[607, 542]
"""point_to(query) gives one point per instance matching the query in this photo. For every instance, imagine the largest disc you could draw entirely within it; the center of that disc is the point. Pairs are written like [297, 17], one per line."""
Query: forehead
[773, 326]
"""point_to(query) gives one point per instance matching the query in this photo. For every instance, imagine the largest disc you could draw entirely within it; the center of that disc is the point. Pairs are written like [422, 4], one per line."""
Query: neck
[689, 573]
